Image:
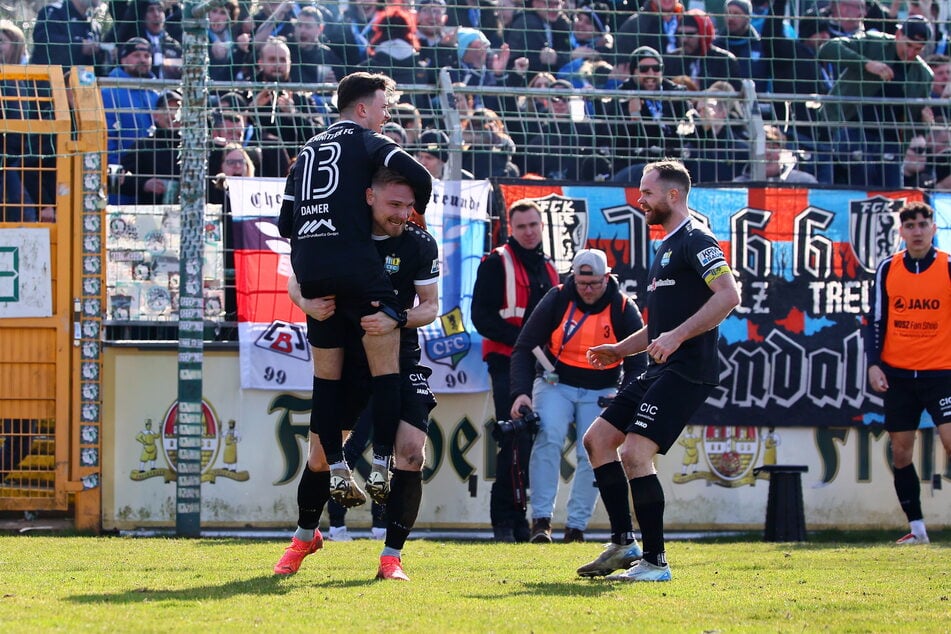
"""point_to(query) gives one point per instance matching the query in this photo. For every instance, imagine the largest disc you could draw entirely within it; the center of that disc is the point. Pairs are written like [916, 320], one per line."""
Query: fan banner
[792, 352]
[274, 353]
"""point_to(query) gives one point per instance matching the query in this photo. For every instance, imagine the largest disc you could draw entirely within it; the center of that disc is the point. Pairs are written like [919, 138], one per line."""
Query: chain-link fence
[838, 93]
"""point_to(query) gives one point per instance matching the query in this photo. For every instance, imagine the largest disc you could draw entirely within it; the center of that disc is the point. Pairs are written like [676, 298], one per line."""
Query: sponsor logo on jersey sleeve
[710, 254]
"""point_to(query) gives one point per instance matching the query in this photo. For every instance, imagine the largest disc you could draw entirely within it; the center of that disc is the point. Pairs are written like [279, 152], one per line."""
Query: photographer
[511, 281]
[587, 310]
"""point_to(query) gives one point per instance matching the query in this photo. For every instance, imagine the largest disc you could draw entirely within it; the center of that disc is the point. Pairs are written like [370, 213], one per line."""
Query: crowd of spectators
[680, 70]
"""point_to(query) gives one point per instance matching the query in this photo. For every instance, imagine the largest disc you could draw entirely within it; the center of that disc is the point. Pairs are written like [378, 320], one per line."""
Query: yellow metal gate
[53, 142]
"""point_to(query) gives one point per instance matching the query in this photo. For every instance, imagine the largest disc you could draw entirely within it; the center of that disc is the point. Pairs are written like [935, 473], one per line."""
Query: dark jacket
[155, 156]
[58, 36]
[850, 54]
[645, 28]
[716, 65]
[548, 317]
[654, 134]
[526, 37]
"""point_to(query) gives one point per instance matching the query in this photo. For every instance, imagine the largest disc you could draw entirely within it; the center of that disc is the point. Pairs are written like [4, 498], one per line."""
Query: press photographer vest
[517, 292]
[578, 331]
[917, 336]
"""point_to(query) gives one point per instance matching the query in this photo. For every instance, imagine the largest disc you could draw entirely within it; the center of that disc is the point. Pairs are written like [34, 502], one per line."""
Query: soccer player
[410, 256]
[908, 349]
[691, 290]
[324, 214]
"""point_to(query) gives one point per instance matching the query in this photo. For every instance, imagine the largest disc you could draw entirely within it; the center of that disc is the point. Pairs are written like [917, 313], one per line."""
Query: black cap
[135, 44]
[165, 97]
[813, 22]
[435, 142]
[917, 28]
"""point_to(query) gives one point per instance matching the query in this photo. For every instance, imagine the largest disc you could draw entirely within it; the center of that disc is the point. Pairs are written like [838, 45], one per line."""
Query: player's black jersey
[677, 289]
[330, 234]
[410, 259]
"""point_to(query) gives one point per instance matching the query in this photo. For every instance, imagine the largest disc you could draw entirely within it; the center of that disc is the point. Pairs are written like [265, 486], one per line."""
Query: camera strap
[569, 330]
[542, 358]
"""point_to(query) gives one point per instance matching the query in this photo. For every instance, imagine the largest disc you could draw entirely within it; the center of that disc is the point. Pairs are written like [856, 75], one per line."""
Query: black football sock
[386, 413]
[908, 488]
[402, 507]
[313, 491]
[326, 414]
[612, 483]
[648, 496]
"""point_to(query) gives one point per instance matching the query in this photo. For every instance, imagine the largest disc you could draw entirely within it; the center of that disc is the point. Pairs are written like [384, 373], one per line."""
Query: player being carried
[327, 218]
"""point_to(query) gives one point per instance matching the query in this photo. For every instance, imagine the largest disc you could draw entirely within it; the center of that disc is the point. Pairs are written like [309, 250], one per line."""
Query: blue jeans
[558, 406]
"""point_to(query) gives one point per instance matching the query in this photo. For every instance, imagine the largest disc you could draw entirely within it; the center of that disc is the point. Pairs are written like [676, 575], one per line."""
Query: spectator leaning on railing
[869, 137]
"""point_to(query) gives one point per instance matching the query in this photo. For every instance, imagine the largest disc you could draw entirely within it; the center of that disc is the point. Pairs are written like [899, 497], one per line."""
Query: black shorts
[353, 295]
[657, 408]
[416, 397]
[908, 397]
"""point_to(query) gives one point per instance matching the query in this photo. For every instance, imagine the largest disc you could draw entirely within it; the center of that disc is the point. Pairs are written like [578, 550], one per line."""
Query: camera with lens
[528, 423]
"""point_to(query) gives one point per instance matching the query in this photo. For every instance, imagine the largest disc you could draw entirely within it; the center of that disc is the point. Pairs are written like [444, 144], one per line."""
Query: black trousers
[507, 500]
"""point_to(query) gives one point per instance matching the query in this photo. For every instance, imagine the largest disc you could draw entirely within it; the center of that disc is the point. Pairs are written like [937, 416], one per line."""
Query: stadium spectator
[868, 136]
[229, 50]
[473, 14]
[470, 66]
[349, 35]
[489, 148]
[26, 178]
[680, 339]
[235, 161]
[166, 50]
[282, 120]
[542, 33]
[591, 40]
[276, 19]
[656, 25]
[152, 163]
[230, 126]
[697, 57]
[409, 118]
[66, 33]
[128, 110]
[432, 151]
[780, 162]
[393, 47]
[744, 42]
[437, 44]
[908, 356]
[505, 13]
[796, 71]
[645, 129]
[846, 17]
[917, 170]
[509, 284]
[312, 61]
[940, 65]
[396, 132]
[567, 147]
[588, 309]
[714, 151]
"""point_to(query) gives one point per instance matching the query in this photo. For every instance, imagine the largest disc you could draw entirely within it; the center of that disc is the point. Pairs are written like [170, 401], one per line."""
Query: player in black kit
[691, 291]
[410, 256]
[325, 215]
